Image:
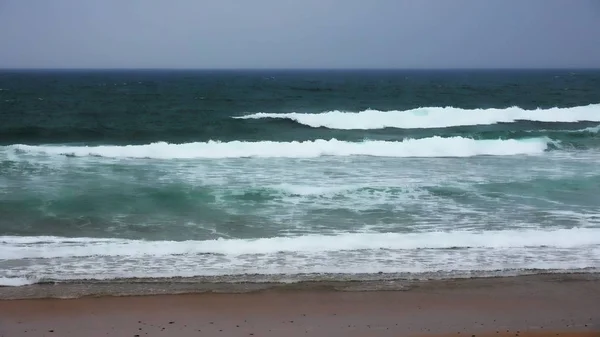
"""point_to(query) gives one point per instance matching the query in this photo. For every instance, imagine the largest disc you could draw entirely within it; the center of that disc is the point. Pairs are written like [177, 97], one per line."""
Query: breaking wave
[424, 147]
[54, 247]
[441, 252]
[433, 117]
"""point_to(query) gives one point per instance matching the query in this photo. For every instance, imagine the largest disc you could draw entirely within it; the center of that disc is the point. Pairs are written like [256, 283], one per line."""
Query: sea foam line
[433, 117]
[592, 129]
[424, 147]
[58, 247]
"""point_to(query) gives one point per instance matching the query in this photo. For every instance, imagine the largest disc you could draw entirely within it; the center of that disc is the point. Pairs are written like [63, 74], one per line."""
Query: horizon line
[290, 69]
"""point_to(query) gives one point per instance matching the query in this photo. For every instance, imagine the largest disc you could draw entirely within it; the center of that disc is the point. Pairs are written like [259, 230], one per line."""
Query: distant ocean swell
[569, 124]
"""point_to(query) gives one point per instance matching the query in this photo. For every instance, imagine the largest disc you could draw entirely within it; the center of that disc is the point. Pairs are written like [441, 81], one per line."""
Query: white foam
[592, 129]
[16, 281]
[424, 147]
[55, 247]
[311, 190]
[55, 258]
[433, 117]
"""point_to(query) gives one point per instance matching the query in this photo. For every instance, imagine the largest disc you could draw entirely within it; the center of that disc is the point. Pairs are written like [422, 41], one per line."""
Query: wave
[279, 129]
[59, 247]
[16, 281]
[593, 129]
[433, 117]
[424, 147]
[49, 259]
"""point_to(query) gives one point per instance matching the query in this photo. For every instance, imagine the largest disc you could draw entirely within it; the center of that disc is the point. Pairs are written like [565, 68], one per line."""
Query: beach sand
[539, 305]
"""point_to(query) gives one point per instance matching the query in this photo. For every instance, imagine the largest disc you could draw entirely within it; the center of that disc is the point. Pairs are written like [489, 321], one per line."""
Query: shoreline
[534, 305]
[261, 283]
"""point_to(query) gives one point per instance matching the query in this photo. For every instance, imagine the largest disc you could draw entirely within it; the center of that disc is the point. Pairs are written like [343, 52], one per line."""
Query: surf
[433, 117]
[319, 254]
[425, 147]
[58, 247]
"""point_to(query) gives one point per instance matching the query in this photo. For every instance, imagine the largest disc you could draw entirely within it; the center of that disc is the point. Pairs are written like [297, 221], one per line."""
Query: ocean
[297, 175]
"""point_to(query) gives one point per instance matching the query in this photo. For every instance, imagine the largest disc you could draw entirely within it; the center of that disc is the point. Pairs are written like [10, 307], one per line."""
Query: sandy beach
[537, 305]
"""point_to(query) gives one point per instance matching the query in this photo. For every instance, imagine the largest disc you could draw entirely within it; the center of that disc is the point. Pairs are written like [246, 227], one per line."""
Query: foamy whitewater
[168, 177]
[87, 258]
[427, 147]
[433, 117]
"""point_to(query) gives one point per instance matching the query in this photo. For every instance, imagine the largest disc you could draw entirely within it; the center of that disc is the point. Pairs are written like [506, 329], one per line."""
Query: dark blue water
[126, 107]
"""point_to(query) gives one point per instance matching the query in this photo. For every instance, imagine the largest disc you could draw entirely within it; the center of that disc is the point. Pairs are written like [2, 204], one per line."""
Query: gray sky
[299, 33]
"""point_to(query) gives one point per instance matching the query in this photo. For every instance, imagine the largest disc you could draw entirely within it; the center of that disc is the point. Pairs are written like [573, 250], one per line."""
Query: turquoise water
[193, 173]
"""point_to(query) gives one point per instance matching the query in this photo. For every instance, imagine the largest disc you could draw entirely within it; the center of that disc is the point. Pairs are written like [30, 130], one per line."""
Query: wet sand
[535, 306]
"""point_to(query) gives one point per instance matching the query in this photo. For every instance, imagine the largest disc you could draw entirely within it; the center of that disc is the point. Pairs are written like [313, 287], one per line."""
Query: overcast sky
[299, 33]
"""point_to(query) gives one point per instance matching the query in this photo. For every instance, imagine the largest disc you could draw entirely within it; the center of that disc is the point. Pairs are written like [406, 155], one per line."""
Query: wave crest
[424, 147]
[433, 117]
